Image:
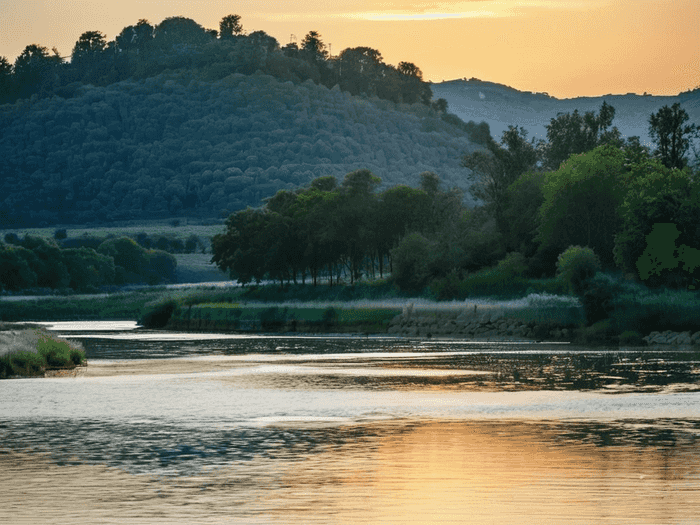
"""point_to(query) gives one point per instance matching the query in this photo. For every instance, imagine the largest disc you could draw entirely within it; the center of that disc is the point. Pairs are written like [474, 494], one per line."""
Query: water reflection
[254, 429]
[395, 472]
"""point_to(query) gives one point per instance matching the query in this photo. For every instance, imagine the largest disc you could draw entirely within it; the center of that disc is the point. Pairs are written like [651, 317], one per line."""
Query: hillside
[501, 106]
[174, 144]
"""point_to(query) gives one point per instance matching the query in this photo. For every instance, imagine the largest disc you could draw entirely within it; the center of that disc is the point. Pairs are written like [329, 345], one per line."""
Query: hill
[501, 106]
[174, 144]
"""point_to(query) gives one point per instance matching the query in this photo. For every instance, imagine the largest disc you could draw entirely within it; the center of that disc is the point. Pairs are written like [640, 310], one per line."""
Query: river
[208, 428]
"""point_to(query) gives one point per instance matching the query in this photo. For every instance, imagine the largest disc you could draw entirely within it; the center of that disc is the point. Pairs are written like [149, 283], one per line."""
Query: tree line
[143, 50]
[37, 262]
[585, 188]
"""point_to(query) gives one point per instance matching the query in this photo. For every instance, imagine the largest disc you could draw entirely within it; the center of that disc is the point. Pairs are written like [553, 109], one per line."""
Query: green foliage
[575, 266]
[521, 215]
[569, 134]
[581, 203]
[671, 136]
[599, 295]
[495, 170]
[157, 315]
[631, 338]
[411, 262]
[33, 351]
[659, 237]
[638, 308]
[135, 264]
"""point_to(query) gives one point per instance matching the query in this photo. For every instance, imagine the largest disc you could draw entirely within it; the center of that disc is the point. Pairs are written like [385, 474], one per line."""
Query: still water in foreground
[197, 428]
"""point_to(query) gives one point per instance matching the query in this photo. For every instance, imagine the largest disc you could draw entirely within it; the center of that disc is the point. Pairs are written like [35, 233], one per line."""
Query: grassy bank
[283, 318]
[31, 352]
[123, 305]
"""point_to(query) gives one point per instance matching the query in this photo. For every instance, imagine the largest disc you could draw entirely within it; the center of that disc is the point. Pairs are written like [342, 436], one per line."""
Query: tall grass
[29, 353]
[642, 310]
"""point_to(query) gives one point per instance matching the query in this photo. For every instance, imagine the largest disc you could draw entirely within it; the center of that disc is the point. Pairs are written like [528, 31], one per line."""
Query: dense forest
[176, 119]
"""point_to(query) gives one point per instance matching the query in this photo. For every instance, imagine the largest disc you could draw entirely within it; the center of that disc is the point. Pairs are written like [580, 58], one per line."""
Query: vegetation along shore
[30, 351]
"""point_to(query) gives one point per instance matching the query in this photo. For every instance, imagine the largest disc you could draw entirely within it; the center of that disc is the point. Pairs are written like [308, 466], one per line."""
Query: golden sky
[567, 48]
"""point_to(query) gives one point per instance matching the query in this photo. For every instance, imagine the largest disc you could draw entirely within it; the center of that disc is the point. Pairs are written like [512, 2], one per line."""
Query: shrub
[631, 338]
[157, 315]
[598, 297]
[513, 265]
[575, 265]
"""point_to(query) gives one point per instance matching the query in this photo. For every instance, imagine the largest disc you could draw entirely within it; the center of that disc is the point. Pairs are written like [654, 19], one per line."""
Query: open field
[185, 229]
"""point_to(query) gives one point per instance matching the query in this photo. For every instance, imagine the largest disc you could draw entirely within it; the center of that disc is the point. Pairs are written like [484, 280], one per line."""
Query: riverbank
[34, 352]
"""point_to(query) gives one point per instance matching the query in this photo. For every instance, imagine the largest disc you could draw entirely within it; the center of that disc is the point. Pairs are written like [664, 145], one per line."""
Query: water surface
[205, 428]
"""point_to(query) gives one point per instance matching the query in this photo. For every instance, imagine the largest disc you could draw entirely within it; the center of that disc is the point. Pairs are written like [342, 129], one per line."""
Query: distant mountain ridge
[501, 106]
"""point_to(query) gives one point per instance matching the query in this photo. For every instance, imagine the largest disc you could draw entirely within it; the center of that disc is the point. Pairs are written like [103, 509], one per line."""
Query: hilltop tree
[671, 136]
[88, 47]
[313, 47]
[229, 26]
[5, 79]
[33, 66]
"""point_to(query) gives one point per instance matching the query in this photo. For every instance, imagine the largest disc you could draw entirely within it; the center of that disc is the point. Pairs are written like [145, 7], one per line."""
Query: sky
[567, 48]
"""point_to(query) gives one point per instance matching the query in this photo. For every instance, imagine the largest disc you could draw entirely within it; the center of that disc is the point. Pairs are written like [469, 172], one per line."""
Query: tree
[313, 47]
[33, 67]
[135, 38]
[661, 206]
[671, 136]
[581, 203]
[498, 167]
[411, 261]
[572, 133]
[413, 88]
[88, 47]
[358, 69]
[5, 80]
[180, 32]
[229, 26]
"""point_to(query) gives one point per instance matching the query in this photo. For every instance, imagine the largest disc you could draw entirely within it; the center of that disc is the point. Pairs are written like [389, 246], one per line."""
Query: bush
[576, 265]
[631, 338]
[598, 297]
[157, 315]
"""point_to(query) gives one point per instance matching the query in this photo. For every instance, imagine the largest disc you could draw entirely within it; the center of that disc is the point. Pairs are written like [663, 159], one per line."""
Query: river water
[208, 428]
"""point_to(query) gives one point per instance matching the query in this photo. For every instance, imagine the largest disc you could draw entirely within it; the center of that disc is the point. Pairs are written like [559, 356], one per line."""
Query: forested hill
[173, 144]
[501, 106]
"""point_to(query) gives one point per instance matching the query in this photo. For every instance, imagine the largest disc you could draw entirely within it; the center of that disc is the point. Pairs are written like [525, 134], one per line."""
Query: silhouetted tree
[671, 136]
[229, 26]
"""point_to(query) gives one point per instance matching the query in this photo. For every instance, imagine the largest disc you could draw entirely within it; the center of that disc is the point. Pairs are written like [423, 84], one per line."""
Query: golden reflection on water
[442, 472]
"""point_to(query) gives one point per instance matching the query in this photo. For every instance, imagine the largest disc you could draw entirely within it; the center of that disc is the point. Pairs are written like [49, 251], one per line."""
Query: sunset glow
[567, 48]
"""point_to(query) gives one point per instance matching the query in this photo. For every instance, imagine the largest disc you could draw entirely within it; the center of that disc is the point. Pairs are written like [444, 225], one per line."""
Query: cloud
[425, 11]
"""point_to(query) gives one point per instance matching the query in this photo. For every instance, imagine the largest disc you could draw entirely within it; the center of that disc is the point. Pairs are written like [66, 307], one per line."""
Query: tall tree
[5, 80]
[229, 26]
[498, 167]
[88, 47]
[313, 47]
[33, 67]
[671, 136]
[582, 203]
